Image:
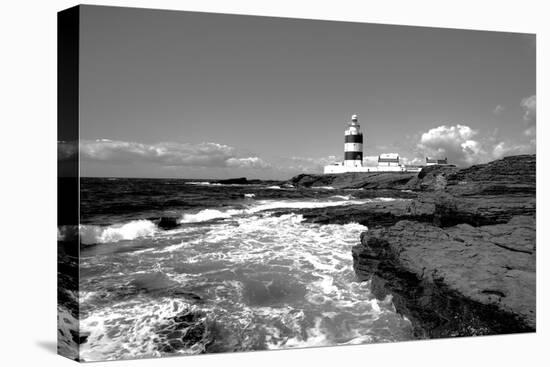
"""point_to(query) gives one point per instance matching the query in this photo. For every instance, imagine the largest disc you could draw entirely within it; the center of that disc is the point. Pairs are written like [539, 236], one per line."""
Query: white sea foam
[127, 330]
[323, 187]
[330, 298]
[66, 324]
[203, 183]
[266, 205]
[343, 197]
[316, 299]
[249, 195]
[208, 214]
[262, 205]
[274, 187]
[176, 247]
[92, 234]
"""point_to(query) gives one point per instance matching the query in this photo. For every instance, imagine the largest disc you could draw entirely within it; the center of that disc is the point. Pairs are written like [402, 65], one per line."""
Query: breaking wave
[208, 214]
[92, 234]
[343, 197]
[267, 205]
[203, 183]
[96, 234]
[323, 187]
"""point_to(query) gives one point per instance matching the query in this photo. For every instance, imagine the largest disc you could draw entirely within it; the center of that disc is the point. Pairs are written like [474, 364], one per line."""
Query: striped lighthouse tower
[353, 147]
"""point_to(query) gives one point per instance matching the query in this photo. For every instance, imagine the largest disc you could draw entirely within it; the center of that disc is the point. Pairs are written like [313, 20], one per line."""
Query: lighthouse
[353, 145]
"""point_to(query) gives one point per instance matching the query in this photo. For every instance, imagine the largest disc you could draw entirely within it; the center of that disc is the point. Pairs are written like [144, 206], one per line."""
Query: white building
[435, 161]
[389, 162]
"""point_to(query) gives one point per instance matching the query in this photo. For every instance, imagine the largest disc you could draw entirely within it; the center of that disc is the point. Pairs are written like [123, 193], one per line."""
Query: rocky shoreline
[456, 249]
[458, 256]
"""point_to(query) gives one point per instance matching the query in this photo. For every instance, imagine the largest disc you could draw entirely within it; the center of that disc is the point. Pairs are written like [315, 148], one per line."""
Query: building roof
[436, 160]
[388, 158]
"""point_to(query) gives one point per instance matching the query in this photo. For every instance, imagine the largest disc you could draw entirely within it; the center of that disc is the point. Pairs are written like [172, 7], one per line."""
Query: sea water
[241, 272]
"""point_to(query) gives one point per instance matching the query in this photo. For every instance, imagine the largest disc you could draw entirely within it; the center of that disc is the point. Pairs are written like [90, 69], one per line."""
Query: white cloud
[248, 162]
[205, 154]
[529, 106]
[411, 161]
[498, 110]
[530, 131]
[504, 149]
[453, 142]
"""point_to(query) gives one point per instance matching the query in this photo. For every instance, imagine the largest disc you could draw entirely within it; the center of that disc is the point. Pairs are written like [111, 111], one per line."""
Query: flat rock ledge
[455, 281]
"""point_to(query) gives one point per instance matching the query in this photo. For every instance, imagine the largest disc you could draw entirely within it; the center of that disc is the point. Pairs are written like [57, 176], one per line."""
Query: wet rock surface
[167, 223]
[188, 330]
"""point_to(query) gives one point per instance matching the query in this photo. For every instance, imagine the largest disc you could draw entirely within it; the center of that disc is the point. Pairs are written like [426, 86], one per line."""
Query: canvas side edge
[68, 34]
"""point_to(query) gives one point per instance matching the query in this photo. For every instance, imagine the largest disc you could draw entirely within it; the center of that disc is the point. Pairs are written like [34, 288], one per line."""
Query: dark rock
[507, 176]
[187, 329]
[191, 295]
[234, 181]
[355, 180]
[483, 194]
[515, 175]
[431, 178]
[167, 223]
[455, 281]
[373, 214]
[79, 338]
[479, 210]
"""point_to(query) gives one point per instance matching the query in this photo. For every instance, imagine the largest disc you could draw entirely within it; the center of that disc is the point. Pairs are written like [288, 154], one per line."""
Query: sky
[199, 95]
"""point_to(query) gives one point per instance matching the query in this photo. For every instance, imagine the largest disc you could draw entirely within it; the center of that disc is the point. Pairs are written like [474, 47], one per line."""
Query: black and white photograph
[234, 183]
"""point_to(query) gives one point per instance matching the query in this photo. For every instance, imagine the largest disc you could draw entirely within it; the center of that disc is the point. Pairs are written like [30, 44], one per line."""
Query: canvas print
[231, 183]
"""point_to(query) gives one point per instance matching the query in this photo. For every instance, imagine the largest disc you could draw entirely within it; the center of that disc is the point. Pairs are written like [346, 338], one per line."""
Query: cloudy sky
[196, 95]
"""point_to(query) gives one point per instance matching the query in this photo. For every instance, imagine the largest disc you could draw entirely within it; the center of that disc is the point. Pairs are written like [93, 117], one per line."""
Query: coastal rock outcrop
[482, 194]
[372, 214]
[466, 264]
[233, 181]
[456, 281]
[355, 180]
[167, 222]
